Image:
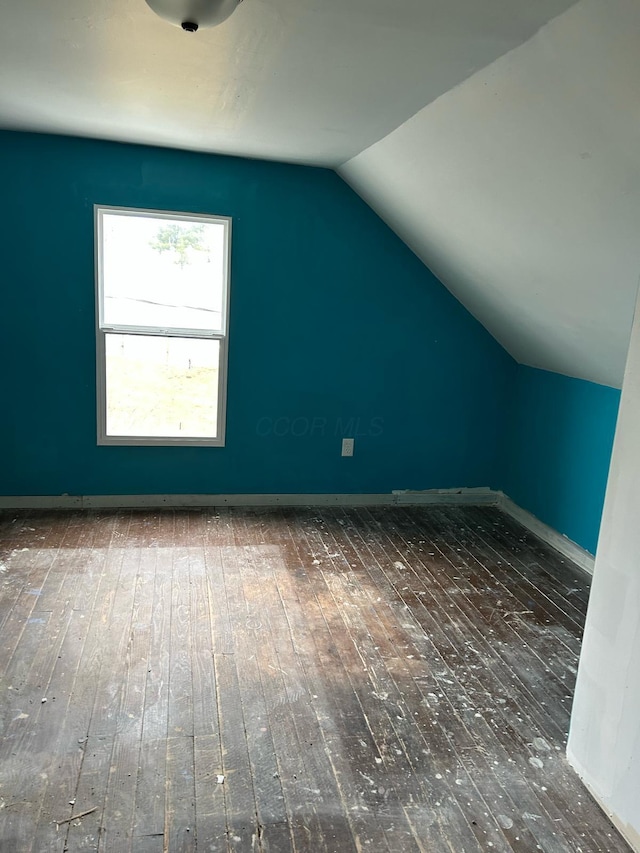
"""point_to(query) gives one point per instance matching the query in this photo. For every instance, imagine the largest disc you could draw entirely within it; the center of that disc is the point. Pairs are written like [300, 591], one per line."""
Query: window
[162, 282]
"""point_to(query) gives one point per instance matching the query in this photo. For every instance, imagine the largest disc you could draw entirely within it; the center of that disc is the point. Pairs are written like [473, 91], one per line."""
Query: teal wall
[336, 329]
[559, 445]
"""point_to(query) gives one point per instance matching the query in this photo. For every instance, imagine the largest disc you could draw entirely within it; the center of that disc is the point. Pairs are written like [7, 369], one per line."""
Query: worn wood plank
[180, 808]
[240, 800]
[204, 693]
[211, 823]
[125, 760]
[151, 782]
[244, 596]
[180, 681]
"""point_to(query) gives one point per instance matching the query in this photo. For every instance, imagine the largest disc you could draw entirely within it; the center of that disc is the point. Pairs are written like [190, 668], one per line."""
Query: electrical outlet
[347, 446]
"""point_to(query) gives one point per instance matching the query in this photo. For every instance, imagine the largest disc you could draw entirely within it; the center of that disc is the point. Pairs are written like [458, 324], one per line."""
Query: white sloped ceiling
[520, 189]
[306, 81]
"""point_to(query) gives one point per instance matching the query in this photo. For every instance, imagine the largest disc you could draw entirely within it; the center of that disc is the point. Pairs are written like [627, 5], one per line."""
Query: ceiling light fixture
[193, 14]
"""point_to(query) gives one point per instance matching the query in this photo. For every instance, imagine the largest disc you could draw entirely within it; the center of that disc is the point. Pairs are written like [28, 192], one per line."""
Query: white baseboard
[561, 543]
[630, 835]
[176, 501]
[434, 496]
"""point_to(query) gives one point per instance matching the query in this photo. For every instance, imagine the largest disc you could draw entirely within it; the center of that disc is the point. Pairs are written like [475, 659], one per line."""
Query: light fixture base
[192, 15]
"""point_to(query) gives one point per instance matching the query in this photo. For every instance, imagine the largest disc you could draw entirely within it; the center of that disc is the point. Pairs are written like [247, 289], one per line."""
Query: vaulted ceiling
[520, 189]
[499, 138]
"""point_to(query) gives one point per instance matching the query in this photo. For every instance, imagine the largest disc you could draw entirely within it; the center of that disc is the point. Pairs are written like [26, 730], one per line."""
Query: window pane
[166, 273]
[161, 387]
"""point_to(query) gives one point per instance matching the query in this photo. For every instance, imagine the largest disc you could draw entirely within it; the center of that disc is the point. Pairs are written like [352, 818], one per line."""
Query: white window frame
[102, 329]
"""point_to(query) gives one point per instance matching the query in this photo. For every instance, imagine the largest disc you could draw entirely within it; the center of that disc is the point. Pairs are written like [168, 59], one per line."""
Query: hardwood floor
[319, 681]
